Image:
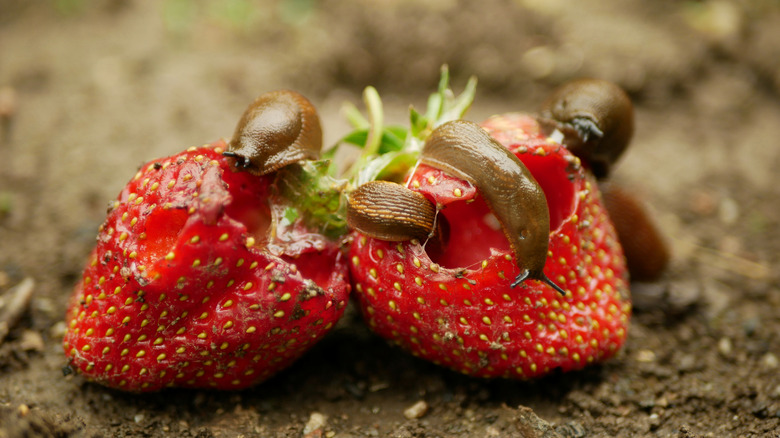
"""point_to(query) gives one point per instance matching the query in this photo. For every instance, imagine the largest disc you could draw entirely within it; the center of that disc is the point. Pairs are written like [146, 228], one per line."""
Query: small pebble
[23, 410]
[416, 410]
[58, 330]
[686, 362]
[138, 418]
[724, 346]
[645, 356]
[769, 360]
[655, 421]
[702, 202]
[31, 341]
[728, 211]
[378, 386]
[317, 421]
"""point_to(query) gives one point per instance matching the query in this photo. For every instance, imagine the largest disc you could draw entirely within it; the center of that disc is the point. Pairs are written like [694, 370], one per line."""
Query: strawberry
[204, 276]
[450, 300]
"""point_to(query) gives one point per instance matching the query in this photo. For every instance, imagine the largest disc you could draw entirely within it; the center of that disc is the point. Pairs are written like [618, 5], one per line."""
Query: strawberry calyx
[308, 192]
[391, 152]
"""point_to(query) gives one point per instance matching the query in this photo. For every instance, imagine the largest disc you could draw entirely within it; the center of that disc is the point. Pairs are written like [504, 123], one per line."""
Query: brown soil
[90, 90]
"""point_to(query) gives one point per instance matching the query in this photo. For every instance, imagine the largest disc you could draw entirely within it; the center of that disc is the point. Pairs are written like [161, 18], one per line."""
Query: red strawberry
[455, 307]
[202, 277]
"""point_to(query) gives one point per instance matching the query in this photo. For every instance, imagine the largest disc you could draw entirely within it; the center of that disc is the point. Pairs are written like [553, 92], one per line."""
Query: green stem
[376, 120]
[353, 116]
[375, 130]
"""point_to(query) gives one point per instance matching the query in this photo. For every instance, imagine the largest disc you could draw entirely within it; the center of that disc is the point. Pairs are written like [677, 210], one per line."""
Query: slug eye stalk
[596, 118]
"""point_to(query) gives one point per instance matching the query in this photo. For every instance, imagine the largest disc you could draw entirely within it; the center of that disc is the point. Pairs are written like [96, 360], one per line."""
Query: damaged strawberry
[448, 297]
[205, 275]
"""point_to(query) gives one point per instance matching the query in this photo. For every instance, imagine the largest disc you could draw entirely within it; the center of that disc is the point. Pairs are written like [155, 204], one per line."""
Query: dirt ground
[89, 90]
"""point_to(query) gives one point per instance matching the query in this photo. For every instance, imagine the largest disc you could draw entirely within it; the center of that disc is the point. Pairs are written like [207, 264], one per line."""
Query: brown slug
[279, 128]
[596, 118]
[389, 211]
[467, 151]
[647, 255]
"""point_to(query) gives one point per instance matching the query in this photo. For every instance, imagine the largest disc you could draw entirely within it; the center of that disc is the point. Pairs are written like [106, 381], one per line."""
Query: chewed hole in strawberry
[314, 266]
[162, 231]
[242, 210]
[553, 174]
[252, 213]
[248, 205]
[477, 232]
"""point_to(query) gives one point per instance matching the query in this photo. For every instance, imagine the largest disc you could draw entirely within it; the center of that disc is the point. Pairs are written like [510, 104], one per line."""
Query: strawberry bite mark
[469, 221]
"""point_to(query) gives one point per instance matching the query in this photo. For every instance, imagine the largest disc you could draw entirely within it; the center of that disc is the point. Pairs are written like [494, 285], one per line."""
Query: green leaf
[391, 139]
[357, 138]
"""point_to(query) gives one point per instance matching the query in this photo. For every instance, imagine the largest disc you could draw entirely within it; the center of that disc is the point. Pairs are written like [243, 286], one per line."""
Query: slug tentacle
[596, 118]
[279, 128]
[517, 200]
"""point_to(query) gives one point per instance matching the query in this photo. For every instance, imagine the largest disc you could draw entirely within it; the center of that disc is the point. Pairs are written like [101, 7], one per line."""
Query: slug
[646, 252]
[389, 211]
[596, 118]
[279, 128]
[467, 151]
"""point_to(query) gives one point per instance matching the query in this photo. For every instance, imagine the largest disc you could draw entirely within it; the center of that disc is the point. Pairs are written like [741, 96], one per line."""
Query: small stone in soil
[416, 410]
[316, 423]
[724, 346]
[769, 361]
[31, 341]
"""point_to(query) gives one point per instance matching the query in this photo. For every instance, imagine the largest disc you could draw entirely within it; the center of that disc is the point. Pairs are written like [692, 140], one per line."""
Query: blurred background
[91, 89]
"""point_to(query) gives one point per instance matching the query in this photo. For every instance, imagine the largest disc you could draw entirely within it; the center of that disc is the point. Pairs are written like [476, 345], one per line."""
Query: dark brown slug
[467, 151]
[279, 128]
[596, 118]
[389, 211]
[646, 252]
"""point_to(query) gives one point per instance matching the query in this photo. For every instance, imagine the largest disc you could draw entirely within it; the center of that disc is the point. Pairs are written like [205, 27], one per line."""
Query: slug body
[467, 151]
[596, 118]
[279, 128]
[646, 252]
[389, 211]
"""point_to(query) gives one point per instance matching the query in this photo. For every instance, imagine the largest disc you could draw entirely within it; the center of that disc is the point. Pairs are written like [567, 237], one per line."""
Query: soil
[90, 90]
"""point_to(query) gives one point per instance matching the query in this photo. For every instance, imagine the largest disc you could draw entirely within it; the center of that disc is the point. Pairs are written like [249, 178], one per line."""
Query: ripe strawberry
[203, 276]
[454, 305]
